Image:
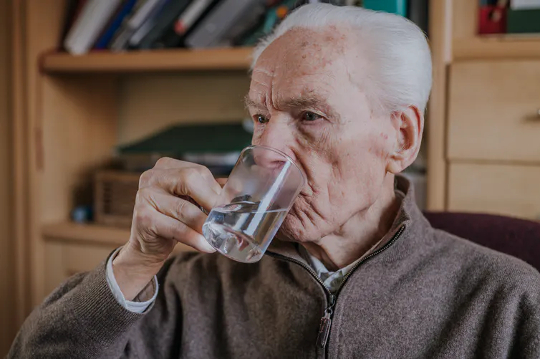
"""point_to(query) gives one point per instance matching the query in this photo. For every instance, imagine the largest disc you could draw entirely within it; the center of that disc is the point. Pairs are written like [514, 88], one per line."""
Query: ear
[409, 124]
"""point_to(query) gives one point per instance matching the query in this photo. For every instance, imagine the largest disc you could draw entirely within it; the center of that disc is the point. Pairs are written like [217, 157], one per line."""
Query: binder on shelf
[192, 13]
[393, 6]
[220, 25]
[114, 25]
[524, 4]
[121, 39]
[523, 21]
[87, 27]
[149, 23]
[165, 20]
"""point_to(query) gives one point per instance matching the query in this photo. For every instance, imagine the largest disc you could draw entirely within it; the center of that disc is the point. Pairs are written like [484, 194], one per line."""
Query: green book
[523, 21]
[393, 6]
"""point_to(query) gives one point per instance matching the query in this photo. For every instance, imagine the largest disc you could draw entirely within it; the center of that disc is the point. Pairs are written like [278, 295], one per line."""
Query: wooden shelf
[92, 234]
[497, 47]
[148, 61]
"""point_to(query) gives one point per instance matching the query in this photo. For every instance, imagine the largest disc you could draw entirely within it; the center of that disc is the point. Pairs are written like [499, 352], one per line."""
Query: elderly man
[356, 270]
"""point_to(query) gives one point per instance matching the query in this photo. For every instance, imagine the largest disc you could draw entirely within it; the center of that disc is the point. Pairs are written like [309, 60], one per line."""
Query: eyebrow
[310, 101]
[248, 102]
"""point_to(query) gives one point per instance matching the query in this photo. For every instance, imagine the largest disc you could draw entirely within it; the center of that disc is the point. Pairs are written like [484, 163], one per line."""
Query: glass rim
[287, 157]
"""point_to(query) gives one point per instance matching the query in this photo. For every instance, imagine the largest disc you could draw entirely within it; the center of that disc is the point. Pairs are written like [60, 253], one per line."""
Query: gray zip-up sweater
[423, 294]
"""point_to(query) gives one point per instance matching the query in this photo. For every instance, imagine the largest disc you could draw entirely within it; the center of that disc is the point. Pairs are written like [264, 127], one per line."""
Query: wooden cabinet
[494, 110]
[72, 248]
[64, 259]
[506, 189]
[494, 137]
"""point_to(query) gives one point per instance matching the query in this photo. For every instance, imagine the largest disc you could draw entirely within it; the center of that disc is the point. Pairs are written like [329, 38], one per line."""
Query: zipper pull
[324, 329]
[326, 323]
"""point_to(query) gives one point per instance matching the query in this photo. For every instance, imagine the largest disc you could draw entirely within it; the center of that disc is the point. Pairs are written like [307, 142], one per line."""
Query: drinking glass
[259, 192]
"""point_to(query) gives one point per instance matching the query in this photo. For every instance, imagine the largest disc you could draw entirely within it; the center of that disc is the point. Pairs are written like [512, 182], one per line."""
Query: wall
[6, 246]
[150, 102]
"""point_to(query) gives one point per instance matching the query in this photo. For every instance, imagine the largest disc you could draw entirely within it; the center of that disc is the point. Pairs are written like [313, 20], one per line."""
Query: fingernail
[206, 247]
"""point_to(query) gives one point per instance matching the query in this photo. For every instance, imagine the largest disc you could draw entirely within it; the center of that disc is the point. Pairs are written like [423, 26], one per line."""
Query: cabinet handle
[538, 112]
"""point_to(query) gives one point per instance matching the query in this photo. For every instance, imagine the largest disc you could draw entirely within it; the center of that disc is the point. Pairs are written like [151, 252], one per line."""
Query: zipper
[326, 320]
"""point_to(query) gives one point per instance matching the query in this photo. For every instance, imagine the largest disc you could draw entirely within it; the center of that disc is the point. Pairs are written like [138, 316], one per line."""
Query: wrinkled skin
[308, 98]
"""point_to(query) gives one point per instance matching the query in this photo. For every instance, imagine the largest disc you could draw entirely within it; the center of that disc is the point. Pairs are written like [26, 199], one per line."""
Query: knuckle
[188, 174]
[180, 206]
[142, 194]
[162, 162]
[204, 172]
[145, 178]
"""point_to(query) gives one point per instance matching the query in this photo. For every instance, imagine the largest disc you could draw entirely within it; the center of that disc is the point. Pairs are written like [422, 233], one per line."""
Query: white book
[86, 29]
[136, 21]
[524, 4]
[190, 15]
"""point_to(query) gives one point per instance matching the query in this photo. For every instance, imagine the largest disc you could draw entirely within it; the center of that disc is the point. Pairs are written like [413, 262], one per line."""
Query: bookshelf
[148, 61]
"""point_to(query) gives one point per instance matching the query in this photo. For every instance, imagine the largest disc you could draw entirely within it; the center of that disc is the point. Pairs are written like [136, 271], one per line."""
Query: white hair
[398, 55]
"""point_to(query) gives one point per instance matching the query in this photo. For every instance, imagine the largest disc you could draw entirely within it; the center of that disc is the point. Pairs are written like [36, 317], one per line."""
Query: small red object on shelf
[492, 20]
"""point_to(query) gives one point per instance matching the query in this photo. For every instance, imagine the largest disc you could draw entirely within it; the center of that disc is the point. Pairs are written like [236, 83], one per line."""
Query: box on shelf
[114, 197]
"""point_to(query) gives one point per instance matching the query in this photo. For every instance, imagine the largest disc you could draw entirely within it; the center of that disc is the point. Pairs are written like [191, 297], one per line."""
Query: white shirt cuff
[136, 307]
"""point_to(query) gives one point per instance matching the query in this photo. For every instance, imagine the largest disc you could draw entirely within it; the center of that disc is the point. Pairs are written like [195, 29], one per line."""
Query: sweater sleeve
[80, 319]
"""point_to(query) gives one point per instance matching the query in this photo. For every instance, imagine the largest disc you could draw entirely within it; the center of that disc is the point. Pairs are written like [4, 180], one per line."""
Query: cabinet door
[494, 111]
[512, 190]
[62, 260]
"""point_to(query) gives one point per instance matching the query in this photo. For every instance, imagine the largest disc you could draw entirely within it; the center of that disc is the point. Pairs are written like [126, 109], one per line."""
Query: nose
[277, 135]
[269, 158]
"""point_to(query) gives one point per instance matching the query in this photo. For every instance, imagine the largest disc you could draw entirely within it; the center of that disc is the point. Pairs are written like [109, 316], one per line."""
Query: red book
[492, 20]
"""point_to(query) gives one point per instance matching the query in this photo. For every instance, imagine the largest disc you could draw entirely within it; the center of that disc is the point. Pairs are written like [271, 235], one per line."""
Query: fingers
[185, 179]
[174, 207]
[162, 226]
[222, 181]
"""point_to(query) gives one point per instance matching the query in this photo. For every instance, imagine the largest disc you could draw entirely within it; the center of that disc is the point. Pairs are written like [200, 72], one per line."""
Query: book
[164, 21]
[217, 26]
[121, 39]
[114, 25]
[418, 13]
[192, 13]
[84, 32]
[524, 4]
[393, 6]
[523, 21]
[74, 8]
[149, 23]
[273, 16]
[190, 18]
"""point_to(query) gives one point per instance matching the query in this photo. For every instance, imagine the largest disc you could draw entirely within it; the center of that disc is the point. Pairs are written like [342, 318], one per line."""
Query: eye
[310, 116]
[260, 119]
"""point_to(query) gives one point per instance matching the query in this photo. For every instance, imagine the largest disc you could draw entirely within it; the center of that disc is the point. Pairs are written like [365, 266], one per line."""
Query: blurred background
[92, 92]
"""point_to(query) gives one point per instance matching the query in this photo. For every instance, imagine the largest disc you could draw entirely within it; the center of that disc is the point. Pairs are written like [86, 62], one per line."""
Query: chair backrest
[517, 237]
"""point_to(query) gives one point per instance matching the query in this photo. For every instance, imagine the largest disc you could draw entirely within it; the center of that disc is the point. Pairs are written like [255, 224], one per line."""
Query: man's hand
[161, 219]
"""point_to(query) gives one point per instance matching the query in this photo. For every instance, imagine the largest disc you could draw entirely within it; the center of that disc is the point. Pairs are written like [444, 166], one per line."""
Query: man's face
[308, 99]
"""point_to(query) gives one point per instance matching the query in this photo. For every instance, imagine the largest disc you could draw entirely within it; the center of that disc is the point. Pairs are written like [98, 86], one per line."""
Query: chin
[294, 229]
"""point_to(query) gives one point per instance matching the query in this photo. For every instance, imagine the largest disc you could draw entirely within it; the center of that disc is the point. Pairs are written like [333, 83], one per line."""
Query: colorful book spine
[115, 24]
[392, 6]
[190, 16]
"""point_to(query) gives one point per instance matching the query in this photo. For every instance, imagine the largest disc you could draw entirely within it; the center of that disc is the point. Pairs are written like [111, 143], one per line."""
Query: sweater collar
[408, 216]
